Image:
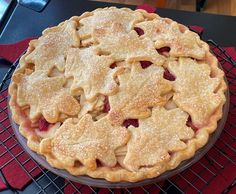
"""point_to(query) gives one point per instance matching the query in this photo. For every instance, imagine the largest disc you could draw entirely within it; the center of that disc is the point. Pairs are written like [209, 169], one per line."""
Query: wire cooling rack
[195, 179]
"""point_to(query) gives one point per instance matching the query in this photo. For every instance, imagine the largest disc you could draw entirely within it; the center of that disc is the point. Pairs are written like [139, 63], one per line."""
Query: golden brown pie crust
[69, 74]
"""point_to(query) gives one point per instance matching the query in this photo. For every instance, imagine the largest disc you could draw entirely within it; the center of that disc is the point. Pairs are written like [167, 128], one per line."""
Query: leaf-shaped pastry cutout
[167, 33]
[86, 141]
[126, 46]
[50, 49]
[45, 95]
[139, 90]
[157, 135]
[91, 72]
[106, 17]
[195, 89]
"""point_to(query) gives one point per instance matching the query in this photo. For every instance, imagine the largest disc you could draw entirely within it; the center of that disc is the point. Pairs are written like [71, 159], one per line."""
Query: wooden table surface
[225, 7]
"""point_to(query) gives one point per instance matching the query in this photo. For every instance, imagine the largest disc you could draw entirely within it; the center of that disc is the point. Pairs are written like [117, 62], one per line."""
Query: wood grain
[225, 7]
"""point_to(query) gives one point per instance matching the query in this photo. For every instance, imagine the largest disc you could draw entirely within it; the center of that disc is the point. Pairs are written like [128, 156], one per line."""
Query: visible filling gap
[163, 50]
[43, 124]
[113, 65]
[102, 107]
[106, 106]
[139, 31]
[129, 122]
[99, 163]
[77, 163]
[145, 64]
[169, 76]
[190, 124]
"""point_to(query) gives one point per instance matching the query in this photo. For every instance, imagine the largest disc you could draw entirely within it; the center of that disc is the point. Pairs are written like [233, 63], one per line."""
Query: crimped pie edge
[119, 174]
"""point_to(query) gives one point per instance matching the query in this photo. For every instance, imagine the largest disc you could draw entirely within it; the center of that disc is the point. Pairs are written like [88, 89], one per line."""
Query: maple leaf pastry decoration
[117, 94]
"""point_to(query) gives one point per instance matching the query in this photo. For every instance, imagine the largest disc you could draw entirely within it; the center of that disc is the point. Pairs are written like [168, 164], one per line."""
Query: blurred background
[224, 7]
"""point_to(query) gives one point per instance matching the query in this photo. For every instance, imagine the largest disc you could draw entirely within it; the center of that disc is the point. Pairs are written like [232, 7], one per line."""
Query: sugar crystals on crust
[117, 94]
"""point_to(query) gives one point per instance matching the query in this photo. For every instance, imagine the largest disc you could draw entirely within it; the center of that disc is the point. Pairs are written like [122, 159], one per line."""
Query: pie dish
[117, 94]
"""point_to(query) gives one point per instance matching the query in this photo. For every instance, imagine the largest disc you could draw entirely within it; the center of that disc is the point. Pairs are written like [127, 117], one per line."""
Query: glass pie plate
[102, 183]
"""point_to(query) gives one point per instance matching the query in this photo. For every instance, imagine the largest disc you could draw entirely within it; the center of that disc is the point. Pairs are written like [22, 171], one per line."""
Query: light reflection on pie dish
[117, 94]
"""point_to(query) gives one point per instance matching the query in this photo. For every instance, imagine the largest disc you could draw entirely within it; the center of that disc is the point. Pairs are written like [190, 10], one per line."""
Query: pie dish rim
[118, 174]
[103, 183]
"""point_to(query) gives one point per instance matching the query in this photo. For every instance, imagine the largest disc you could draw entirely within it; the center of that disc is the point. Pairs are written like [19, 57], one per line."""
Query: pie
[117, 94]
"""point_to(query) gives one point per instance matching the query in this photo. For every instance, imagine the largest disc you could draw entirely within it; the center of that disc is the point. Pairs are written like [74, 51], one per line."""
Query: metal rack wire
[196, 179]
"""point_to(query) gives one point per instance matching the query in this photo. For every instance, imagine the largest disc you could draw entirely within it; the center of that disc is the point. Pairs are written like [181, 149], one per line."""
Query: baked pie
[117, 94]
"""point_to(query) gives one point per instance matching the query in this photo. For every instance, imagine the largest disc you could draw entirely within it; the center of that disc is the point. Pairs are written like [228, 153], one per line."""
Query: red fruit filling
[139, 31]
[133, 122]
[113, 65]
[190, 124]
[99, 163]
[167, 75]
[106, 106]
[162, 50]
[43, 124]
[145, 64]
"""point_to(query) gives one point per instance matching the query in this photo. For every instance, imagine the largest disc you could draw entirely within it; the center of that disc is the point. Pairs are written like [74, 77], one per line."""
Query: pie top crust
[117, 94]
